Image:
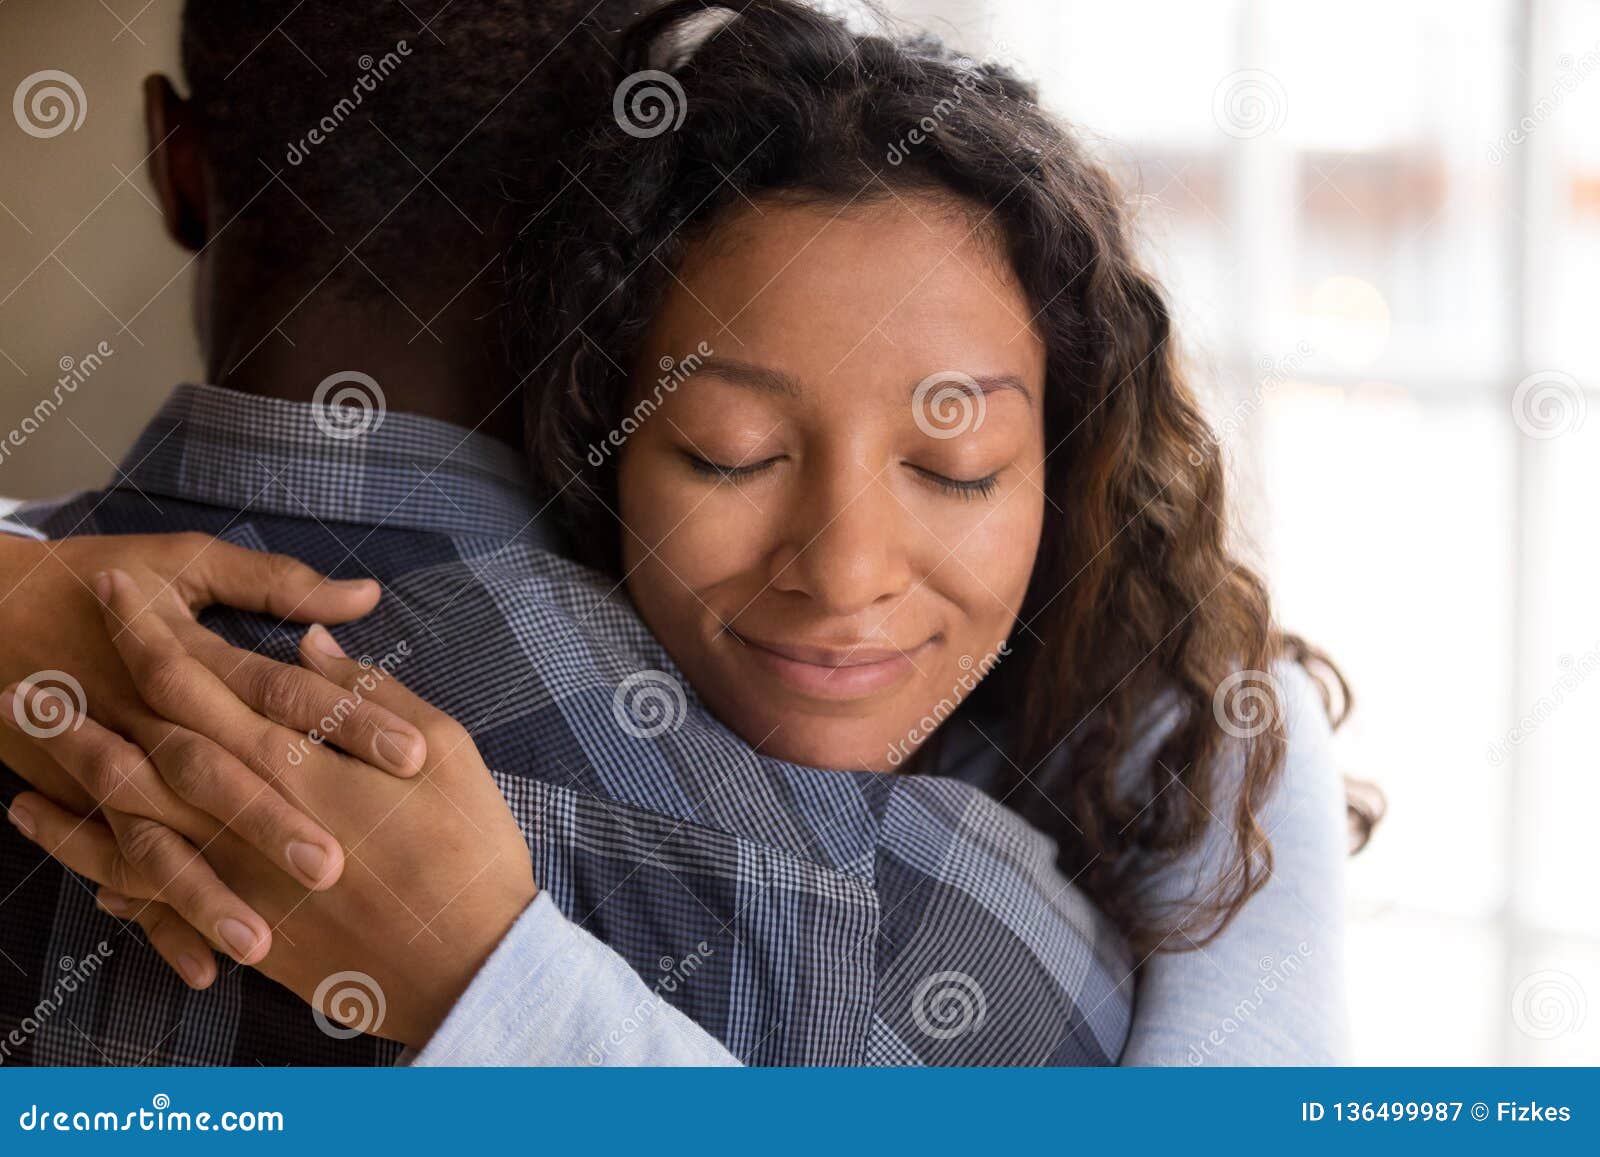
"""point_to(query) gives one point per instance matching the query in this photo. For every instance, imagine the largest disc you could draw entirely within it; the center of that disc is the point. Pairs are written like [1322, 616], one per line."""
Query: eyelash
[966, 489]
[732, 473]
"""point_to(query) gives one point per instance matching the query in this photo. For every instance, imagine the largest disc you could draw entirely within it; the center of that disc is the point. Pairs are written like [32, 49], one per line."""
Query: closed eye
[967, 488]
[733, 473]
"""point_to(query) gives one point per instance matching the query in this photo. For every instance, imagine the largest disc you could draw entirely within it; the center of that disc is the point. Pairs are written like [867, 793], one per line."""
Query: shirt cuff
[553, 994]
[19, 529]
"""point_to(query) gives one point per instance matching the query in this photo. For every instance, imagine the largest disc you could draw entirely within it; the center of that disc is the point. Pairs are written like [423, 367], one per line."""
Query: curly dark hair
[1135, 594]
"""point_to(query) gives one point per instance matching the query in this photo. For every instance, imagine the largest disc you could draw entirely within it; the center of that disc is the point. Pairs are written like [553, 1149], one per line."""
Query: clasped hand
[381, 845]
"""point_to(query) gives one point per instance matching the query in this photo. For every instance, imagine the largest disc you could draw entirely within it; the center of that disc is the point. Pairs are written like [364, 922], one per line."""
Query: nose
[844, 545]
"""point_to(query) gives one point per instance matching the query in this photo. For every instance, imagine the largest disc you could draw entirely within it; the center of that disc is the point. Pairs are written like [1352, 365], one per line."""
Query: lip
[832, 672]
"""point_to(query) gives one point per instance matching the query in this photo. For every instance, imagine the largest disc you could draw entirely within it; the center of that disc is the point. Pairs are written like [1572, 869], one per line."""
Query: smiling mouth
[832, 672]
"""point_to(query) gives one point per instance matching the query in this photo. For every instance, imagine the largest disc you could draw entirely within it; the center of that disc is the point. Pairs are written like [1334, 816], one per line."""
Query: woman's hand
[51, 620]
[59, 655]
[436, 872]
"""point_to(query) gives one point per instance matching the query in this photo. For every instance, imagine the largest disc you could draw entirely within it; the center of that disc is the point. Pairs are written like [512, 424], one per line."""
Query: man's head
[354, 156]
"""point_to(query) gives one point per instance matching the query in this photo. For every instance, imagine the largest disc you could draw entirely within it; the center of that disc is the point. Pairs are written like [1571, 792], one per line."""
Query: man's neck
[447, 370]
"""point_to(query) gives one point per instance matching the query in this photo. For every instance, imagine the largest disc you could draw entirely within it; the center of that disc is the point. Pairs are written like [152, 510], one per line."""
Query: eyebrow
[771, 381]
[760, 378]
[989, 384]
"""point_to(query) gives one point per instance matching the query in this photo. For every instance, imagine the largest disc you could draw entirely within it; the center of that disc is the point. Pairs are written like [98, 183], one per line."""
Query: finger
[85, 846]
[180, 688]
[322, 653]
[184, 949]
[185, 768]
[113, 771]
[273, 584]
[139, 858]
[184, 880]
[308, 703]
[209, 777]
[89, 848]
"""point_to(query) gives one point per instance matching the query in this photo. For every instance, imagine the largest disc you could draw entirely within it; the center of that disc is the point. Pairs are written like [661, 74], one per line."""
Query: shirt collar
[221, 447]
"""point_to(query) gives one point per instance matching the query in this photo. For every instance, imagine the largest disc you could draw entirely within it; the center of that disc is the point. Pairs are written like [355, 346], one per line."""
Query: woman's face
[830, 522]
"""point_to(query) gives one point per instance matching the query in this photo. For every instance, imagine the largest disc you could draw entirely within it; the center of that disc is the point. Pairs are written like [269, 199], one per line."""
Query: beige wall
[82, 252]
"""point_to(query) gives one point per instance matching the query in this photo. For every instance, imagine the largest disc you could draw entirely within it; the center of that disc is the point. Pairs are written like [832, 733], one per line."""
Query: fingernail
[403, 749]
[323, 642]
[114, 902]
[238, 936]
[309, 860]
[102, 586]
[20, 819]
[193, 969]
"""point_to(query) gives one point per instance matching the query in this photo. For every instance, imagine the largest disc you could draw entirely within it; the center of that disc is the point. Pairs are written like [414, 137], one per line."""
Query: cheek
[679, 527]
[991, 556]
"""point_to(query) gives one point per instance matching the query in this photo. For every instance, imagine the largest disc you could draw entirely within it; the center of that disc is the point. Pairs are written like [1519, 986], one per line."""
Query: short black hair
[351, 102]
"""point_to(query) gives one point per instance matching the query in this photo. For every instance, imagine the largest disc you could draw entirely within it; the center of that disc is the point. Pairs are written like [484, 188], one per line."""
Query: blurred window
[1380, 227]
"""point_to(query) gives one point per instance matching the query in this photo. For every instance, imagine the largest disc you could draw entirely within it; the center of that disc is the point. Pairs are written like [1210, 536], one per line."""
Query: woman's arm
[472, 963]
[552, 994]
[1270, 989]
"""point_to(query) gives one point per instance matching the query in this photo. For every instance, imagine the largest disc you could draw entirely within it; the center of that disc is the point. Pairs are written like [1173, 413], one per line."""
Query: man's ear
[177, 167]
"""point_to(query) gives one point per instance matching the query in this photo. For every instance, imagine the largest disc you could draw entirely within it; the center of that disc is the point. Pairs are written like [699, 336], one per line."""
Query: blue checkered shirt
[835, 917]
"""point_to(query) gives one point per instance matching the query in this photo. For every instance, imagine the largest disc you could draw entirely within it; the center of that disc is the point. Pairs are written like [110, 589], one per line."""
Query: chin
[806, 746]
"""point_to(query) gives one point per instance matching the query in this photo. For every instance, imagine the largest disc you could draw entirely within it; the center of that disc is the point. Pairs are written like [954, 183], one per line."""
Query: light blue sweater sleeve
[1270, 989]
[552, 994]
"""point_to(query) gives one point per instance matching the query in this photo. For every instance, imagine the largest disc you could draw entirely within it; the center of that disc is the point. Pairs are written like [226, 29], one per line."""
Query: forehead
[900, 286]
